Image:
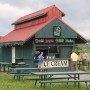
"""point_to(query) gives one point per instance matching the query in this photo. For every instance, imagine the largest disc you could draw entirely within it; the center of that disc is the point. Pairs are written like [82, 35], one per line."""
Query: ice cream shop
[41, 31]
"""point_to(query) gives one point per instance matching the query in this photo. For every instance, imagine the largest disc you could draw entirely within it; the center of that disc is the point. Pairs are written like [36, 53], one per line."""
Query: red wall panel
[54, 11]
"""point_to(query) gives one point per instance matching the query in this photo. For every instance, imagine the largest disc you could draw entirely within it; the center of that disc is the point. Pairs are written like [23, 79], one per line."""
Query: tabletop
[59, 73]
[30, 68]
[5, 63]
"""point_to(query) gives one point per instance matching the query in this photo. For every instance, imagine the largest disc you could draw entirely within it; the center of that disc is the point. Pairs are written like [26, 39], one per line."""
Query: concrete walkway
[85, 76]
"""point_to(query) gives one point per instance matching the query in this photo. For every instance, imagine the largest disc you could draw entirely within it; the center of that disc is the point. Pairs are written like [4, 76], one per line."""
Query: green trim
[11, 43]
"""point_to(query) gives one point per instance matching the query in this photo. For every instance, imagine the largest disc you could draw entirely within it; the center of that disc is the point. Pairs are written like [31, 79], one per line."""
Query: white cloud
[9, 14]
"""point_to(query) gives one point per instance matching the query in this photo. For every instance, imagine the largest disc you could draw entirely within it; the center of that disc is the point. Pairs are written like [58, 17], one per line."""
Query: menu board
[39, 40]
[53, 40]
[49, 41]
[44, 40]
[69, 40]
[59, 40]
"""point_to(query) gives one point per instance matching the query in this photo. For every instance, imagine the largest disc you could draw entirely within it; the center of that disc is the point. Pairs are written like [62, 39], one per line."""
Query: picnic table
[18, 72]
[5, 66]
[76, 77]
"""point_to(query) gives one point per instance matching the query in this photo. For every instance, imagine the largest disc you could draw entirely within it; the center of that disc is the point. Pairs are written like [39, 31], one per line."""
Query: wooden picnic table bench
[18, 76]
[65, 81]
[19, 72]
[76, 76]
[4, 65]
[49, 78]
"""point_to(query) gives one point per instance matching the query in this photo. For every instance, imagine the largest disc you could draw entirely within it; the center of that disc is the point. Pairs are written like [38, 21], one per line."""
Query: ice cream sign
[56, 63]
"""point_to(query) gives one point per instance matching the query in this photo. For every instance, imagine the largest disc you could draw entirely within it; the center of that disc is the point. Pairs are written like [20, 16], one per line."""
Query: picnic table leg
[14, 76]
[44, 83]
[8, 67]
[78, 82]
[75, 79]
[18, 77]
[4, 67]
[0, 67]
[35, 82]
[50, 86]
[67, 82]
[41, 79]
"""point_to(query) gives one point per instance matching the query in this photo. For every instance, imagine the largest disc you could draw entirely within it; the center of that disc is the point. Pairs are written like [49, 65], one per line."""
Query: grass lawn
[7, 82]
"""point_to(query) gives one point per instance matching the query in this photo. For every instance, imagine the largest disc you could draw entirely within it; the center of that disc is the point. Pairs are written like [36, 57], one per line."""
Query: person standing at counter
[74, 59]
[40, 60]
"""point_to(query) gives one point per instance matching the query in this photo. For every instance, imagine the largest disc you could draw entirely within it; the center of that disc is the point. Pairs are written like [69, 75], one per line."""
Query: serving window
[55, 52]
[50, 52]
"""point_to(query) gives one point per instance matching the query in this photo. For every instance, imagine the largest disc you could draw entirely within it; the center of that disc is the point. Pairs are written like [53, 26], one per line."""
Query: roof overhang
[80, 40]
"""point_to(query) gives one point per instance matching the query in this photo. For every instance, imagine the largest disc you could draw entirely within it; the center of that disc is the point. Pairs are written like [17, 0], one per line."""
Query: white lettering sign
[56, 63]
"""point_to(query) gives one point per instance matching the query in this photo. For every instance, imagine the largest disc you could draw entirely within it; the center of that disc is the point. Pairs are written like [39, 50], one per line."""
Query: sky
[77, 13]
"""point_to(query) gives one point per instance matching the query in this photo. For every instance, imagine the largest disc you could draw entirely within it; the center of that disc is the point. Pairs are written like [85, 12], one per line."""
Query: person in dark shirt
[84, 57]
